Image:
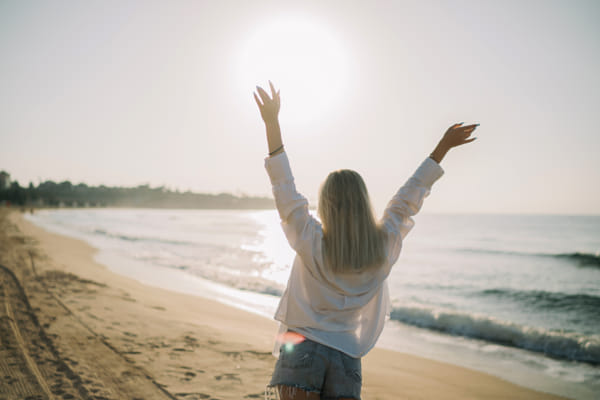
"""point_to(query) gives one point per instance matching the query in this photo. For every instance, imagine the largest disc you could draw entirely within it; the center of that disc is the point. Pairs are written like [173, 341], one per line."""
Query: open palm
[268, 105]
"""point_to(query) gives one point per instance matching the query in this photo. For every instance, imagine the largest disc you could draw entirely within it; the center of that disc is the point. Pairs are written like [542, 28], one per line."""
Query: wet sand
[70, 328]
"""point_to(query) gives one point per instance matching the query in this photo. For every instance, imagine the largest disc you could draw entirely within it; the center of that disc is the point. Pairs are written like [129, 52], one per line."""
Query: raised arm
[408, 200]
[301, 229]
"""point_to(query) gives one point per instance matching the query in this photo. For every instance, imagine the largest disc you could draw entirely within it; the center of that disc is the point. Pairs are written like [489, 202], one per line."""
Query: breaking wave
[579, 258]
[558, 344]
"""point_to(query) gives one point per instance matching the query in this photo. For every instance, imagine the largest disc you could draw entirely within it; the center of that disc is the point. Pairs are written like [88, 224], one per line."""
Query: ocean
[517, 296]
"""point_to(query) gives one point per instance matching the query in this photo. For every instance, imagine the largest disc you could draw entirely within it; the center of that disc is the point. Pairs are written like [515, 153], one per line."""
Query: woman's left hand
[269, 106]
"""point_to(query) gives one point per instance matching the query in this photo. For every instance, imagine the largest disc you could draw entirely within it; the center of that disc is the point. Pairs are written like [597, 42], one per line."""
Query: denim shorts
[314, 367]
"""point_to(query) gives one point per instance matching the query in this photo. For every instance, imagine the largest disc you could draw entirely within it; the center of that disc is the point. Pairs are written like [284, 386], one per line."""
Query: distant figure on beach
[336, 301]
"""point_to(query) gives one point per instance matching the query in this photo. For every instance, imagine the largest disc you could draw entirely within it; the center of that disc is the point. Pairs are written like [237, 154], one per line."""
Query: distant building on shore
[4, 180]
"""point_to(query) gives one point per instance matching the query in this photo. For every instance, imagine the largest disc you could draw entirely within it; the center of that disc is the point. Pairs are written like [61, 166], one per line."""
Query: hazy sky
[127, 93]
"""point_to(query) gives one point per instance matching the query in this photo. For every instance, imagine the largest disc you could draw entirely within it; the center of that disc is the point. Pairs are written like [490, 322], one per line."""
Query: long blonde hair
[352, 239]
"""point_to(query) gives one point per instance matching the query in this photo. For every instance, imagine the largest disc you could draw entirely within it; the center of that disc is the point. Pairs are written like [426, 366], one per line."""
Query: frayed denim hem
[289, 388]
[271, 392]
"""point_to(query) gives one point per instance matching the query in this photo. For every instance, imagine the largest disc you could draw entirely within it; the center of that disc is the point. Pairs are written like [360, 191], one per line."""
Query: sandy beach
[70, 328]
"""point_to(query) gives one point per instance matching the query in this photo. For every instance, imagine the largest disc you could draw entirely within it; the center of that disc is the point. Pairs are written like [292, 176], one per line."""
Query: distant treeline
[65, 194]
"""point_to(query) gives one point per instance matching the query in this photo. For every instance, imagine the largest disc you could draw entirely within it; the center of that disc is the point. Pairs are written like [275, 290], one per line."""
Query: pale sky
[131, 92]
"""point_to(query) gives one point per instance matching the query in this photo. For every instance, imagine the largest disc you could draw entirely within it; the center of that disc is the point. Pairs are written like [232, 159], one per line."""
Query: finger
[263, 95]
[467, 129]
[470, 140]
[257, 100]
[455, 126]
[273, 91]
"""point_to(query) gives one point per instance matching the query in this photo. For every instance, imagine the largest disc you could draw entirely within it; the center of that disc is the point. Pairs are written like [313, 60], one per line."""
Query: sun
[304, 60]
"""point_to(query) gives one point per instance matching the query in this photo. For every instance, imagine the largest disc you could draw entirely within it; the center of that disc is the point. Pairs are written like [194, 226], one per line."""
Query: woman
[336, 301]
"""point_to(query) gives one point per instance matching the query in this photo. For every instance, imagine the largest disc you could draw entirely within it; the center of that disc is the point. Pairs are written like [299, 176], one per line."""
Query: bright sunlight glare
[303, 60]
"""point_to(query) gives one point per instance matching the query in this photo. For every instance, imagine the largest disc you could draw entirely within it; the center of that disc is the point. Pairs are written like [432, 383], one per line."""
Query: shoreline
[174, 336]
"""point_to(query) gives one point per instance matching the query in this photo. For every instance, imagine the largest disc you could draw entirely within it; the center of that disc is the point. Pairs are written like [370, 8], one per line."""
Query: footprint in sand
[188, 376]
[229, 377]
[194, 396]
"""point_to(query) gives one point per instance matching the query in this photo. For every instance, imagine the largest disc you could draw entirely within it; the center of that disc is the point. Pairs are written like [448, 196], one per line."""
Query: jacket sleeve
[301, 229]
[407, 201]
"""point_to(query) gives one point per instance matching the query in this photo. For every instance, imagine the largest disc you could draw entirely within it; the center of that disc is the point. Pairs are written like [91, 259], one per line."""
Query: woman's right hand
[458, 135]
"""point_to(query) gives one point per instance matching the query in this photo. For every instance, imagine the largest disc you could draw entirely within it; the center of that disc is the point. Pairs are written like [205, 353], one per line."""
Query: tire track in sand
[29, 366]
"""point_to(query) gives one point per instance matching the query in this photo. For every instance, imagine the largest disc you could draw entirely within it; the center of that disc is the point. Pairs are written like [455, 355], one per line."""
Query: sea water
[512, 295]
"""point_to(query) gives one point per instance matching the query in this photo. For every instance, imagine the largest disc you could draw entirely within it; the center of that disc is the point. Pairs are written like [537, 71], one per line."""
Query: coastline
[186, 346]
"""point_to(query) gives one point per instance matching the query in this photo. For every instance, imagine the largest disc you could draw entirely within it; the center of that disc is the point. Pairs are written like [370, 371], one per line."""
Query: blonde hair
[352, 239]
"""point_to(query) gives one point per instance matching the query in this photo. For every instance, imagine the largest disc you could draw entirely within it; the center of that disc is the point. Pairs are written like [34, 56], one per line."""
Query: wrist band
[276, 150]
